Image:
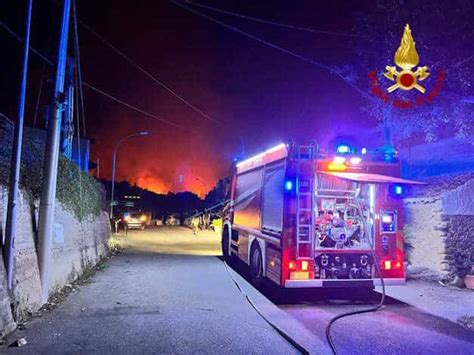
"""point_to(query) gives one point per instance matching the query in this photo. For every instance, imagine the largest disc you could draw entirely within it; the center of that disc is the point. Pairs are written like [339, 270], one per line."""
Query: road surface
[166, 293]
[169, 293]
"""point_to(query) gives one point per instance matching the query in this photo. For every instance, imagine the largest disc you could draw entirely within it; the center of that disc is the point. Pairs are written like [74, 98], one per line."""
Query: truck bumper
[343, 283]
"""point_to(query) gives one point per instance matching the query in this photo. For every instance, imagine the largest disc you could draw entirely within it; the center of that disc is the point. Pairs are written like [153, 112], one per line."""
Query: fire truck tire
[256, 265]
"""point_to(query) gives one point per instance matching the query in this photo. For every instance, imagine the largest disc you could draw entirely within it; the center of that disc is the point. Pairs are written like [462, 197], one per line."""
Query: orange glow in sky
[152, 183]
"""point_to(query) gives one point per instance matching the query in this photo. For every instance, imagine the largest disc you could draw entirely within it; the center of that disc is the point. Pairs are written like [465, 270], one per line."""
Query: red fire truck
[301, 217]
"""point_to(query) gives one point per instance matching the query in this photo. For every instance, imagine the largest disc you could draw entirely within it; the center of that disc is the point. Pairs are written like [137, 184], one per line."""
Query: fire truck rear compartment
[344, 266]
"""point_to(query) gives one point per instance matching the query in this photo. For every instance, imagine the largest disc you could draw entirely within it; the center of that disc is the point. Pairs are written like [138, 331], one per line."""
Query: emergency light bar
[342, 149]
[260, 155]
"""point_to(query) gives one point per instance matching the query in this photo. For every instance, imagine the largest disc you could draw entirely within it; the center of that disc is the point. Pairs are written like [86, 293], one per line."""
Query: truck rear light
[291, 265]
[336, 166]
[304, 265]
[301, 269]
[391, 264]
[299, 275]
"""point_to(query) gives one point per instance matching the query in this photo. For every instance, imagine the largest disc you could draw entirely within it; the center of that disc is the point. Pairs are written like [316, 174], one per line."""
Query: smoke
[169, 160]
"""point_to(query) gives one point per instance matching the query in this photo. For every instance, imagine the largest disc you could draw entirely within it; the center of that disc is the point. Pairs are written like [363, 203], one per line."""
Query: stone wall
[76, 246]
[439, 224]
[459, 244]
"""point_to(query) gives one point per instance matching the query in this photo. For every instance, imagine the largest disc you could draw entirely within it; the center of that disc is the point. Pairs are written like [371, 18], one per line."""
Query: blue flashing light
[398, 189]
[343, 149]
[363, 151]
[288, 185]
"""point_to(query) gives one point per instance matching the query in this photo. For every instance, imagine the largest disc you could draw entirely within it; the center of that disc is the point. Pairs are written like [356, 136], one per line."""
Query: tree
[442, 32]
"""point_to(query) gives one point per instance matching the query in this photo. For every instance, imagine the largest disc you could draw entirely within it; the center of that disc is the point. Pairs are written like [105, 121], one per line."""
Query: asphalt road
[397, 328]
[170, 293]
[166, 293]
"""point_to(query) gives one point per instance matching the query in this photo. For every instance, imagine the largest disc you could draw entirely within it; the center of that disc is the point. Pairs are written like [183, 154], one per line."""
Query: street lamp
[143, 133]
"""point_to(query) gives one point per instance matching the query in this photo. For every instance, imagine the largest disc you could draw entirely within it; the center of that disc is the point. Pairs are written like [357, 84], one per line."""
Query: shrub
[77, 192]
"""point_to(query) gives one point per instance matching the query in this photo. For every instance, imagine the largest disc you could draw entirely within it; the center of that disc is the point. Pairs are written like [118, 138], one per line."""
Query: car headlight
[143, 218]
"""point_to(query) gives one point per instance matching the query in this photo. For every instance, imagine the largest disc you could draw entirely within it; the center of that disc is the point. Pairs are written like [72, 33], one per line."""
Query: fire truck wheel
[256, 266]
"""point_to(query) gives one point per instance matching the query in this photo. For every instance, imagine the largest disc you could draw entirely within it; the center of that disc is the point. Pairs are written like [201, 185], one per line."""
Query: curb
[282, 320]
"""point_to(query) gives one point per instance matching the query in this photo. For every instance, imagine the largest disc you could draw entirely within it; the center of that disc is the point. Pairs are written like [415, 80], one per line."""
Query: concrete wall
[76, 246]
[424, 231]
[439, 223]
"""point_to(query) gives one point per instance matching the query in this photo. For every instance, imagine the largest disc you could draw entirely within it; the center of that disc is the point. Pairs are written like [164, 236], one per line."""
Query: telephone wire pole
[50, 171]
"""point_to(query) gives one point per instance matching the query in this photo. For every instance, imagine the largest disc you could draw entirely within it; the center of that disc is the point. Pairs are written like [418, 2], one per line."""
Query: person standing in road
[195, 225]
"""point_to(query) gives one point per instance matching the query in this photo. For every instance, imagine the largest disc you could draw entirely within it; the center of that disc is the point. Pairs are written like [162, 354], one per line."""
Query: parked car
[172, 220]
[135, 220]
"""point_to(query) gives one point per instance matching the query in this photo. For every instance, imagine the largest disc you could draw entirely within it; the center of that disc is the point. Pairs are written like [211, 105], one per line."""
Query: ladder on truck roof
[305, 200]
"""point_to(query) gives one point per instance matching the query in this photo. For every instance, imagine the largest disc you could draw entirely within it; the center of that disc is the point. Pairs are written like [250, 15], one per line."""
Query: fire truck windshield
[343, 214]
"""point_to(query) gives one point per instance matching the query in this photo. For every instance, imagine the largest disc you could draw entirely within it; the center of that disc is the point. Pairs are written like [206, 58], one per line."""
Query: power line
[274, 46]
[144, 71]
[268, 22]
[19, 38]
[40, 89]
[92, 87]
[131, 106]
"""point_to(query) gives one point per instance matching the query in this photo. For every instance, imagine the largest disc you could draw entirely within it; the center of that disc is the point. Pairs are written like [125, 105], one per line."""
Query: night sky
[256, 95]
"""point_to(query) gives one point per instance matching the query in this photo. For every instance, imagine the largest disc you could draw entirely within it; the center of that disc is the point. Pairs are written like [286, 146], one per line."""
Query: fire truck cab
[302, 217]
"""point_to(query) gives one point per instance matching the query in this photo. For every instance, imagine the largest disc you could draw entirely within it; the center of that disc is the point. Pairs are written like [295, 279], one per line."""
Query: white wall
[76, 246]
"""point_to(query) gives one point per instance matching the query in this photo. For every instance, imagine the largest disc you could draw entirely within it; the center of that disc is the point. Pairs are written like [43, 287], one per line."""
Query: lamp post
[143, 133]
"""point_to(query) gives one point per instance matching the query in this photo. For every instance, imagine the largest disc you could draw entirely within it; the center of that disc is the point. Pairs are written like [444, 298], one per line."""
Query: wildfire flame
[406, 56]
[152, 183]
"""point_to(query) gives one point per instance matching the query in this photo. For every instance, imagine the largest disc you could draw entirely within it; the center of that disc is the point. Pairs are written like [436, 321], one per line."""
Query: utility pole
[13, 193]
[50, 171]
[67, 128]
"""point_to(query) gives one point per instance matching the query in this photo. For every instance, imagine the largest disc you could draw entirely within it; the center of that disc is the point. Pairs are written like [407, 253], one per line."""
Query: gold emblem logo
[406, 58]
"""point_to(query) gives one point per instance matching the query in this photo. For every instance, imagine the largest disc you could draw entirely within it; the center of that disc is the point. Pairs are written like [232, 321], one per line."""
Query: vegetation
[463, 261]
[161, 205]
[439, 43]
[77, 192]
[180, 204]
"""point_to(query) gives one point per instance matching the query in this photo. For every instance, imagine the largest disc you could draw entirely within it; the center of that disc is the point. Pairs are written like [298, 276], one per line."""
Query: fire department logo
[406, 75]
[406, 58]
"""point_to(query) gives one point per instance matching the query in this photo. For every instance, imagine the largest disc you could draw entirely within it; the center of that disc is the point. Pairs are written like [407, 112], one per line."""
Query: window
[247, 199]
[273, 191]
